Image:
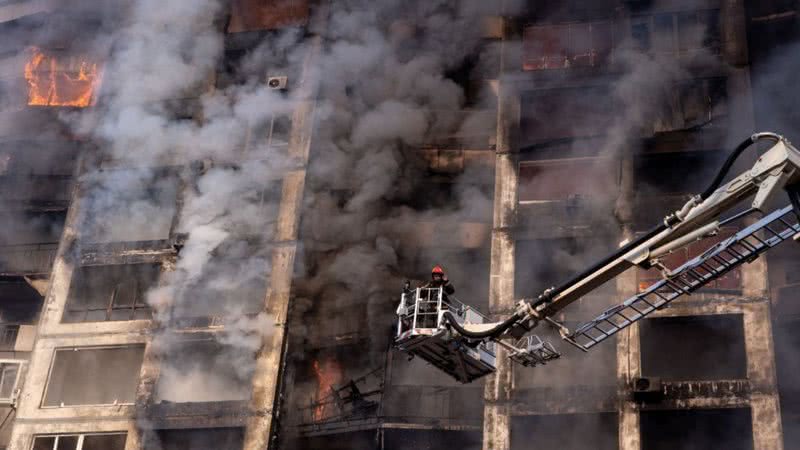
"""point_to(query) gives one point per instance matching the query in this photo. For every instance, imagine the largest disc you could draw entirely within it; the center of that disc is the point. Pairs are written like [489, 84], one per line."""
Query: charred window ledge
[685, 390]
[312, 430]
[424, 423]
[203, 324]
[564, 399]
[137, 252]
[565, 217]
[236, 410]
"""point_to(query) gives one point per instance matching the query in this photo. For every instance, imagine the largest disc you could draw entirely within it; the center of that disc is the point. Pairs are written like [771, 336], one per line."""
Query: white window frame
[116, 402]
[20, 366]
[79, 445]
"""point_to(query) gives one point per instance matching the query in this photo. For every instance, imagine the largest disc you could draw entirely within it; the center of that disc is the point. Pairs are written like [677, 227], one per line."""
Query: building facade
[215, 262]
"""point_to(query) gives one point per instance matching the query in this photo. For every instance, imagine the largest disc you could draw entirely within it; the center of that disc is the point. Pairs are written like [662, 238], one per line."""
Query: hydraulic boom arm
[776, 170]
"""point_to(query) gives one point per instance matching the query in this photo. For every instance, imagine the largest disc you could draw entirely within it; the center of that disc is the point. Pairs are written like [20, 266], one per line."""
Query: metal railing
[27, 258]
[8, 337]
[425, 308]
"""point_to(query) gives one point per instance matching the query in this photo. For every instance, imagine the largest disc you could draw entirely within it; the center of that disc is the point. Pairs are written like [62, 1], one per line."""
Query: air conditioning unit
[277, 83]
[648, 389]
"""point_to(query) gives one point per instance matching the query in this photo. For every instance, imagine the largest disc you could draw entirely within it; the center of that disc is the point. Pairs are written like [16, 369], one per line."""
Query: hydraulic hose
[726, 167]
[491, 333]
[668, 221]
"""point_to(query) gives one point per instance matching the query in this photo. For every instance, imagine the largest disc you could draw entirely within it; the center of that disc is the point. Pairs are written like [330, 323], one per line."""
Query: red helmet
[437, 270]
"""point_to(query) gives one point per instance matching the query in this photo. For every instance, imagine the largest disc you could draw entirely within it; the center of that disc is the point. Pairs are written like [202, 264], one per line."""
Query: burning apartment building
[209, 209]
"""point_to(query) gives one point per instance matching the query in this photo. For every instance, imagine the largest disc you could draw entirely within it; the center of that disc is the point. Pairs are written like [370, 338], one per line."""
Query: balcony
[39, 192]
[27, 259]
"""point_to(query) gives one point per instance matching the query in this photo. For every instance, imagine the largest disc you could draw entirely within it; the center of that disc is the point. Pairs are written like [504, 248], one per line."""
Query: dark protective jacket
[448, 287]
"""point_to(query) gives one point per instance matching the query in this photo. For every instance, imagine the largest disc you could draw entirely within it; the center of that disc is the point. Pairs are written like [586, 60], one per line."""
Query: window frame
[567, 34]
[116, 402]
[8, 336]
[676, 48]
[139, 301]
[20, 363]
[81, 437]
[598, 167]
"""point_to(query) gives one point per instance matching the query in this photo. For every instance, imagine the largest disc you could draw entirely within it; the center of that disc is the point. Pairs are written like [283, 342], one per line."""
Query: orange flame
[60, 82]
[329, 374]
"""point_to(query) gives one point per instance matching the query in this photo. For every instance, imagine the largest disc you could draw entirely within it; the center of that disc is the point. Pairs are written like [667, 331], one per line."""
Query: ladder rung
[727, 254]
[766, 227]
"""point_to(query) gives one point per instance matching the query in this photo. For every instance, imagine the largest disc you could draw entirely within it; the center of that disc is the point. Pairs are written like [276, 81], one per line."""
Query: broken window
[20, 304]
[109, 293]
[565, 431]
[31, 227]
[100, 441]
[566, 46]
[268, 139]
[674, 33]
[253, 15]
[693, 104]
[344, 324]
[94, 376]
[10, 373]
[205, 371]
[562, 179]
[130, 206]
[674, 173]
[189, 439]
[670, 347]
[550, 114]
[731, 429]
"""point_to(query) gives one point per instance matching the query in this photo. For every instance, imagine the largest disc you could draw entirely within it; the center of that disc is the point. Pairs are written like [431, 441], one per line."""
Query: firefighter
[439, 279]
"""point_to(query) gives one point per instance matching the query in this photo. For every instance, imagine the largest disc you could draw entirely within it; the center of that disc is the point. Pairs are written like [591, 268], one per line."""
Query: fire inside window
[60, 80]
[328, 374]
[566, 46]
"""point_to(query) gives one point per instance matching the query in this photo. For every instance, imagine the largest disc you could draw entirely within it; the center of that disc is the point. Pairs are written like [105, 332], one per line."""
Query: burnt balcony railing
[27, 259]
[45, 190]
[466, 129]
[8, 337]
